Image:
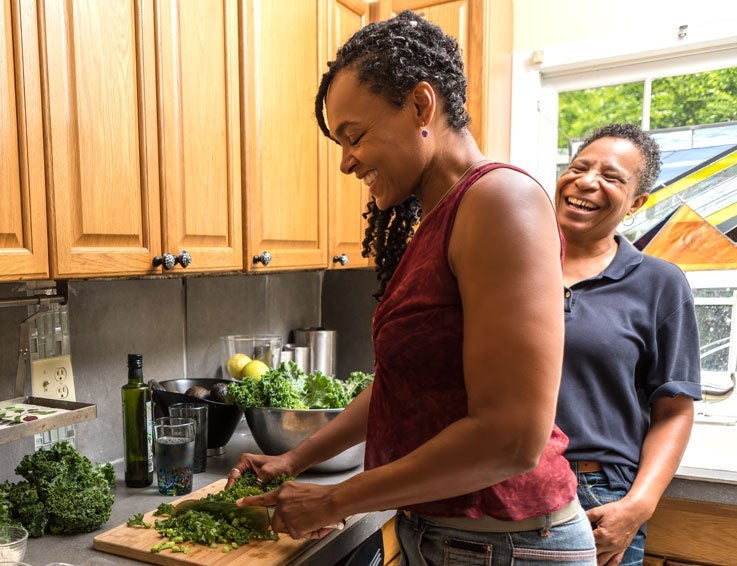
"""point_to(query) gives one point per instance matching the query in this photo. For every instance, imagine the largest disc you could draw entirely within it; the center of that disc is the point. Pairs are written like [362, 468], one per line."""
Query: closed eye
[355, 141]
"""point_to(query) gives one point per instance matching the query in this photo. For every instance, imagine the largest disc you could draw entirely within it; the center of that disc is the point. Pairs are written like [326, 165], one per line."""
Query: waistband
[487, 524]
[585, 466]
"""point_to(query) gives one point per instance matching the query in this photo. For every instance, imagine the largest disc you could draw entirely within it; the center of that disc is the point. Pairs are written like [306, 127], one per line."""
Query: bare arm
[617, 523]
[505, 253]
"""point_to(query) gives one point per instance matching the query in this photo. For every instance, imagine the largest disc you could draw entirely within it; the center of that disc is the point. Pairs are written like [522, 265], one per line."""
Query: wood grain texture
[23, 228]
[347, 195]
[136, 544]
[693, 531]
[285, 157]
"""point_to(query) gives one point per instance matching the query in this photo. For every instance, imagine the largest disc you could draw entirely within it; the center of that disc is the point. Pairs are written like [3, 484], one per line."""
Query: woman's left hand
[302, 510]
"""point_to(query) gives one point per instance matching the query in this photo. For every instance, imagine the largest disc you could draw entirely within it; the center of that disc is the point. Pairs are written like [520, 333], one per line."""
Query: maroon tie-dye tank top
[419, 388]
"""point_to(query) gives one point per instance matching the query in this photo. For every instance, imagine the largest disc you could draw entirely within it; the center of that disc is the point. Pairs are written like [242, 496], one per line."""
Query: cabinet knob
[342, 259]
[264, 258]
[169, 261]
[184, 259]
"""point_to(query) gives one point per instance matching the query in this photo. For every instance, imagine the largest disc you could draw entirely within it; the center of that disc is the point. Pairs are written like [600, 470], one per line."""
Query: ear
[638, 202]
[422, 99]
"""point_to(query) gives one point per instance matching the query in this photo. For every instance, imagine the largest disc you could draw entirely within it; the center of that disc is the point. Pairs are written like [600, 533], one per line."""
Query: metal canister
[321, 344]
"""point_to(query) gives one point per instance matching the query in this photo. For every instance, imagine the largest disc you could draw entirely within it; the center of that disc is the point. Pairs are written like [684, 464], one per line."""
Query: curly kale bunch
[287, 387]
[62, 492]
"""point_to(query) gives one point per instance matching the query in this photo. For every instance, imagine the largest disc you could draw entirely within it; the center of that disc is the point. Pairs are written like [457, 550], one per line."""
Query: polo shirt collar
[627, 258]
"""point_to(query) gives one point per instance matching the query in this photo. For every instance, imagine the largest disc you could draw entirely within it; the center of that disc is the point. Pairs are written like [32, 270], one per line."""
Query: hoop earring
[425, 133]
[628, 220]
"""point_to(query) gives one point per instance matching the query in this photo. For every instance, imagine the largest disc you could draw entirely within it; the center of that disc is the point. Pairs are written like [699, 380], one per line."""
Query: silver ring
[236, 470]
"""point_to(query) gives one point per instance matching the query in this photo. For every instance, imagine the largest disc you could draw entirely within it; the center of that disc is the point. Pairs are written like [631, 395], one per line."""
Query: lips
[581, 204]
[369, 178]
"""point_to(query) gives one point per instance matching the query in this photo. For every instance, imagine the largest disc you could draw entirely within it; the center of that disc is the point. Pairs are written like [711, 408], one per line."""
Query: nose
[588, 179]
[347, 162]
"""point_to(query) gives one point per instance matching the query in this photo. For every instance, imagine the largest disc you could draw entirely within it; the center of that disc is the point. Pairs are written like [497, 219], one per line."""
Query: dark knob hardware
[169, 261]
[342, 259]
[264, 258]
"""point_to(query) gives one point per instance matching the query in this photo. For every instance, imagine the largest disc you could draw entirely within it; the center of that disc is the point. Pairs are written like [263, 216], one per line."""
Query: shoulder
[509, 192]
[662, 271]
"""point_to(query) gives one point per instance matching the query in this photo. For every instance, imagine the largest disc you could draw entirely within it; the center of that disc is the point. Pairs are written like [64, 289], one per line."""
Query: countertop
[77, 549]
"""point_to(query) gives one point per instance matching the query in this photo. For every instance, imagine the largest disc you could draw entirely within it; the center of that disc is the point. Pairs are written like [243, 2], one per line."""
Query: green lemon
[236, 363]
[254, 369]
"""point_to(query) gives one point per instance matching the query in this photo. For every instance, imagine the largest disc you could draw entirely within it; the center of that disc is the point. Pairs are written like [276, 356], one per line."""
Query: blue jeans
[593, 491]
[425, 544]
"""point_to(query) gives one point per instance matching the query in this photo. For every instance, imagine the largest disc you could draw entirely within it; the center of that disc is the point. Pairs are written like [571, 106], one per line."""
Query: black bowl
[222, 418]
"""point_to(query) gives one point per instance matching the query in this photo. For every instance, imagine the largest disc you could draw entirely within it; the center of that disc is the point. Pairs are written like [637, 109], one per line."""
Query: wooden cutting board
[136, 543]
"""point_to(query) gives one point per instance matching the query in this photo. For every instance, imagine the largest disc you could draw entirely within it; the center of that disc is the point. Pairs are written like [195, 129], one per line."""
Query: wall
[175, 323]
[541, 23]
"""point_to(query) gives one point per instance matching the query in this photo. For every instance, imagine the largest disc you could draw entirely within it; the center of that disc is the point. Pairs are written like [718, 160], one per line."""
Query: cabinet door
[23, 238]
[347, 196]
[285, 157]
[464, 20]
[102, 163]
[199, 137]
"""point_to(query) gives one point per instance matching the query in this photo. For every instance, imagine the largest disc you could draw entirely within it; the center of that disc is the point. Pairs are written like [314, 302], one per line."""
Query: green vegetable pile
[62, 493]
[288, 387]
[199, 527]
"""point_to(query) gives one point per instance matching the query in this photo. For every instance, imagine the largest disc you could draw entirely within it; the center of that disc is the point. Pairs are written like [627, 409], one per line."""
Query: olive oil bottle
[137, 426]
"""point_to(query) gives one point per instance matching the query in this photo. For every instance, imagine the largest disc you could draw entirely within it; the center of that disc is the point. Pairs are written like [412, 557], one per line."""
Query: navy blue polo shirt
[631, 338]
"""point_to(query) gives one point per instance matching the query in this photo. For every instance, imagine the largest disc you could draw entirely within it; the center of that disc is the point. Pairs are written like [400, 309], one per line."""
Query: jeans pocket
[594, 490]
[466, 553]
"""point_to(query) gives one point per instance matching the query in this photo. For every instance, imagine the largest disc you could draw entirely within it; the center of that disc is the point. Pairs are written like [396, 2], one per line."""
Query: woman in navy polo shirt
[631, 365]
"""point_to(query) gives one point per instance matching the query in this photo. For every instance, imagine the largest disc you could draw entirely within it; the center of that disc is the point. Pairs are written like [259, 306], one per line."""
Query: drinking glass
[198, 412]
[174, 439]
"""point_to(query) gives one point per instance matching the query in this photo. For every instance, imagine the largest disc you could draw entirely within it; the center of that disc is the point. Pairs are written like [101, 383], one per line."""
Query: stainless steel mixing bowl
[278, 430]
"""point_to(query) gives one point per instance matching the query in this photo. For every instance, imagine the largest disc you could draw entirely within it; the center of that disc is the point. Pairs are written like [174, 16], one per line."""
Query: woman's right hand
[265, 467]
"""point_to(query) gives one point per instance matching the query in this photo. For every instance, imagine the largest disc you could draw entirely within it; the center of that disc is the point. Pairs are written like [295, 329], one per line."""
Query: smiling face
[380, 142]
[598, 188]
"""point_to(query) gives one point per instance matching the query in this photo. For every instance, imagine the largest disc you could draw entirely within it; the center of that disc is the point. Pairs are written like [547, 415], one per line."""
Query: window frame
[539, 75]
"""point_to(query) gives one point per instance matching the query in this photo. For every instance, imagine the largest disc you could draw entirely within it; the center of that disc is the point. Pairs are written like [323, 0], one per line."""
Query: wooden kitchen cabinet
[23, 231]
[143, 142]
[347, 196]
[300, 211]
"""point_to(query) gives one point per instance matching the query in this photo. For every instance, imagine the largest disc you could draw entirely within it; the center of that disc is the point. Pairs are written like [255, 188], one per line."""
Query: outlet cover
[52, 378]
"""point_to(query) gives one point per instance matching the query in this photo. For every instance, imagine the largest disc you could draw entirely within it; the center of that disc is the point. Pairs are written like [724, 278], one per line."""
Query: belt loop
[545, 531]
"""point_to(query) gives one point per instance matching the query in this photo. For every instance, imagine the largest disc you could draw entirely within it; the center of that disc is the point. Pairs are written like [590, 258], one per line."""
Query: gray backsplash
[176, 324]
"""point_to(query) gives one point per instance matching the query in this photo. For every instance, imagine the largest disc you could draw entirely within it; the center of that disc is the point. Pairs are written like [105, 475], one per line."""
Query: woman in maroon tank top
[468, 333]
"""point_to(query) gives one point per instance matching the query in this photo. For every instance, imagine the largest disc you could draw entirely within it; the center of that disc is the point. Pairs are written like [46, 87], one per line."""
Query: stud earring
[425, 133]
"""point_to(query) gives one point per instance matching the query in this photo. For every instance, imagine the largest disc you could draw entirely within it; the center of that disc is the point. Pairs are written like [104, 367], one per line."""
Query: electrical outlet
[52, 378]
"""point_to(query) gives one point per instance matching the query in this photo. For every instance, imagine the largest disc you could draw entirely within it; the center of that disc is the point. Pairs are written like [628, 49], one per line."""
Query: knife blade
[259, 518]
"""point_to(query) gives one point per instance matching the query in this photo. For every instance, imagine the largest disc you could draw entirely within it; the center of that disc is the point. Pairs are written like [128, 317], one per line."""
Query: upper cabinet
[285, 153]
[300, 211]
[199, 131]
[143, 152]
[23, 232]
[347, 196]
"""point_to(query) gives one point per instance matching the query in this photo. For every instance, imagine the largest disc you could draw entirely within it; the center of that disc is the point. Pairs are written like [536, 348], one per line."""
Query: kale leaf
[287, 387]
[62, 492]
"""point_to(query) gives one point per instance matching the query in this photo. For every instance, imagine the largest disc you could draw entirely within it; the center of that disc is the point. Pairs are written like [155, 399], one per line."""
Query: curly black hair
[392, 57]
[647, 146]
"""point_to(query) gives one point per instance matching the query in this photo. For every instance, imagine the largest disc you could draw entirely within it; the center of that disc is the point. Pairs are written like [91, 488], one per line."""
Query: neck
[439, 180]
[584, 260]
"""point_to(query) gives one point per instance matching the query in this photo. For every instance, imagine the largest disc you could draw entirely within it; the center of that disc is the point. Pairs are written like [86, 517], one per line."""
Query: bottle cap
[135, 360]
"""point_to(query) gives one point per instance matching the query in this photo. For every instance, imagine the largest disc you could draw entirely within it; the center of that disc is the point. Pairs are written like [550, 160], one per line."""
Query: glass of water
[174, 440]
[199, 414]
